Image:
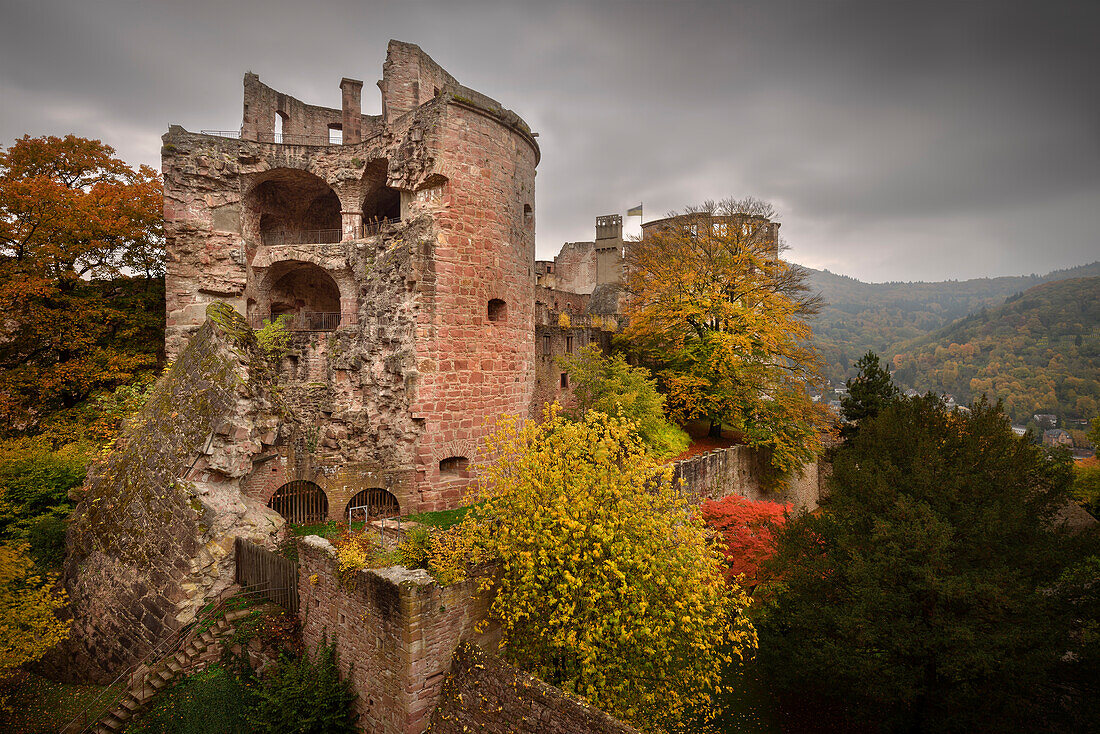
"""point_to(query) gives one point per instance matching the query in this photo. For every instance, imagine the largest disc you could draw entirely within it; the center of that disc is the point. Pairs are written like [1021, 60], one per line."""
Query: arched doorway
[300, 502]
[372, 504]
[305, 293]
[289, 207]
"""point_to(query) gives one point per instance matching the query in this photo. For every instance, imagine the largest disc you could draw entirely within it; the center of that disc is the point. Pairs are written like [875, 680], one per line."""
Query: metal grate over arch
[300, 502]
[372, 504]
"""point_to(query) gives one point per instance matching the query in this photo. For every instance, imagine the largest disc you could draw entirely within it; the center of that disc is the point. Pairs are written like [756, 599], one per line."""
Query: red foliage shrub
[748, 533]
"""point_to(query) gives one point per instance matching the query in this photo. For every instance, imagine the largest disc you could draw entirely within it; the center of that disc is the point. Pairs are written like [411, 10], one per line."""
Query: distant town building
[1057, 437]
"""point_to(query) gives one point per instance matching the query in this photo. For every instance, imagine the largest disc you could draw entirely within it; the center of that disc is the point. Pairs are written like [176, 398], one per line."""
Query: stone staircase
[198, 650]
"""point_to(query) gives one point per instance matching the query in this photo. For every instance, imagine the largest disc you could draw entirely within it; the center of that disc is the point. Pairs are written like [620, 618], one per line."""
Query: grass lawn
[38, 705]
[324, 529]
[442, 519]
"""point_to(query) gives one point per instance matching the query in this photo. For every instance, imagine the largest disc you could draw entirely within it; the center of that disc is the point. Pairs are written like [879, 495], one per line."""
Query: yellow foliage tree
[608, 587]
[28, 625]
[720, 320]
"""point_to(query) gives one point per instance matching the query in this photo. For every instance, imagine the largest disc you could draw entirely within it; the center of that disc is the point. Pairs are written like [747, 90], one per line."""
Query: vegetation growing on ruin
[723, 325]
[608, 587]
[275, 339]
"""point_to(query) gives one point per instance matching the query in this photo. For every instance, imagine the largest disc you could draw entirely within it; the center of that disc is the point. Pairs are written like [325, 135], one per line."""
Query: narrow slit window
[564, 381]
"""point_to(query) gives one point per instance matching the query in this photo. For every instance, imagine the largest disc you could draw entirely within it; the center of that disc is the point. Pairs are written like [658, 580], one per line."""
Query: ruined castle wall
[302, 123]
[475, 331]
[741, 470]
[410, 78]
[152, 536]
[394, 630]
[485, 694]
[576, 267]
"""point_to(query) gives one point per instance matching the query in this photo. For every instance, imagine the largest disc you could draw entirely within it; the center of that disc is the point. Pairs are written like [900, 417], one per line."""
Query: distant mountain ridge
[1039, 352]
[884, 316]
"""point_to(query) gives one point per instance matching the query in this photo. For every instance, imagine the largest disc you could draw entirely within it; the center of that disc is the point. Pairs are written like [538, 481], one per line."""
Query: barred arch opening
[372, 504]
[300, 502]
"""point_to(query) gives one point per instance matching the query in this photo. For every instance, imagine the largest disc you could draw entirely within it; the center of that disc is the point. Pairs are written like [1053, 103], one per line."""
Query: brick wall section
[486, 694]
[738, 470]
[395, 631]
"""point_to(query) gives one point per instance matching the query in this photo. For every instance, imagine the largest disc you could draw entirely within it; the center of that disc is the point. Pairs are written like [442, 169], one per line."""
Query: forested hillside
[1039, 352]
[881, 316]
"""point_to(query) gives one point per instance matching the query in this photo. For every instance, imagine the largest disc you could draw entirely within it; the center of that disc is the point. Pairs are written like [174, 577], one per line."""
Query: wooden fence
[274, 577]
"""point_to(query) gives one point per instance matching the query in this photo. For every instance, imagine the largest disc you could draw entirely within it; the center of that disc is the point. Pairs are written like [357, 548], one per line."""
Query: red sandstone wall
[472, 369]
[395, 632]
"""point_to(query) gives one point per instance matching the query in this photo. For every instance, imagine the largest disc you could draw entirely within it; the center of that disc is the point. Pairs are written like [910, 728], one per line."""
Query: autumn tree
[607, 384]
[28, 600]
[78, 227]
[922, 595]
[869, 392]
[721, 321]
[748, 531]
[608, 586]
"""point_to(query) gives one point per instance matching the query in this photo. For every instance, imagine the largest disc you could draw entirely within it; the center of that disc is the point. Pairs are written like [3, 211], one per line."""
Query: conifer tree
[869, 393]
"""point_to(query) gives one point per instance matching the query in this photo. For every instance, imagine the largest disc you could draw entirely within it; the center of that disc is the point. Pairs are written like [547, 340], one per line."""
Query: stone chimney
[352, 106]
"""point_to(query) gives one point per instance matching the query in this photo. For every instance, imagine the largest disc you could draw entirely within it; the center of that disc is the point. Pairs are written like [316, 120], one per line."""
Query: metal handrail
[161, 650]
[303, 237]
[306, 320]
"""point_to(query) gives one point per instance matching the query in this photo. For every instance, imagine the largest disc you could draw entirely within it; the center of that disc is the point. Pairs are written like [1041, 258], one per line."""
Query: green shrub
[1086, 486]
[415, 547]
[274, 339]
[306, 697]
[34, 496]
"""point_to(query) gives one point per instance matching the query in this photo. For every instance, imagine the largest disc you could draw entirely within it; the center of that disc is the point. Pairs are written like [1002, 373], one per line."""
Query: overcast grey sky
[899, 141]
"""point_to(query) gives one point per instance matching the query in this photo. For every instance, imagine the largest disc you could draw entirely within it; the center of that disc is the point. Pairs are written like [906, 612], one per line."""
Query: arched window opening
[454, 466]
[305, 294]
[300, 502]
[498, 310]
[292, 207]
[372, 504]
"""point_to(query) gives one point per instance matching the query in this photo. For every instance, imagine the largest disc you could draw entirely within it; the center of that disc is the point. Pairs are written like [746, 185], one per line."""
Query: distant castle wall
[741, 470]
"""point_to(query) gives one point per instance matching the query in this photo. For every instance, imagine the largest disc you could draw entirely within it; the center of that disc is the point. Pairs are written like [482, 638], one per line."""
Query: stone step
[121, 713]
[131, 702]
[112, 723]
[237, 614]
[166, 674]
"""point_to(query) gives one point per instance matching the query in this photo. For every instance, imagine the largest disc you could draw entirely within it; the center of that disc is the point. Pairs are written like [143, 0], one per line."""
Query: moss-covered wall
[151, 539]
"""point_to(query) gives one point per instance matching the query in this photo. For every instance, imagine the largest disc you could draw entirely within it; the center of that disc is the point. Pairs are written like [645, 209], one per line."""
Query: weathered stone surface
[485, 694]
[396, 241]
[394, 630]
[151, 539]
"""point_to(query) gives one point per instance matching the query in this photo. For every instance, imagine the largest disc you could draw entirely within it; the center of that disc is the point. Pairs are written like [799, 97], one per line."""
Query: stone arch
[291, 206]
[300, 502]
[374, 503]
[304, 292]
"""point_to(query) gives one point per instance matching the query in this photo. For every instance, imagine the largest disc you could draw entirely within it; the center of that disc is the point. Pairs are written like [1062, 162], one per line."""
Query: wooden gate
[300, 502]
[267, 573]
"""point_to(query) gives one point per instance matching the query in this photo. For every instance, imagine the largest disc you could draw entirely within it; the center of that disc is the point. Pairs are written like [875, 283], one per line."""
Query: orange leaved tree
[748, 534]
[721, 321]
[80, 234]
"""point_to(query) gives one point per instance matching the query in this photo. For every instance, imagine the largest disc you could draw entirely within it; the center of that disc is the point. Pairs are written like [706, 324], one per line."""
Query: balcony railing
[306, 320]
[303, 237]
[277, 138]
[325, 236]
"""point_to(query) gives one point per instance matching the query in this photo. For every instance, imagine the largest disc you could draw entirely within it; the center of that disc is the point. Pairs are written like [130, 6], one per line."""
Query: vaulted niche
[290, 207]
[371, 504]
[300, 502]
[381, 203]
[305, 294]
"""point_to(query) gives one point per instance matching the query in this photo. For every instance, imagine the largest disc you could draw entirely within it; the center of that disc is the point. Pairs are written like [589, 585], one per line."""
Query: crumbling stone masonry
[399, 247]
[151, 539]
[394, 631]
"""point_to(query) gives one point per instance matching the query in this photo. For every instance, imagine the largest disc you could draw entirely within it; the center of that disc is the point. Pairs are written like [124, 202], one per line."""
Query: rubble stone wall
[741, 470]
[394, 630]
[151, 539]
[485, 694]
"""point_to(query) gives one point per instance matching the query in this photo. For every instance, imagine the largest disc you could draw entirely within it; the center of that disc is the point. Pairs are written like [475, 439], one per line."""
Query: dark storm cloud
[899, 140]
